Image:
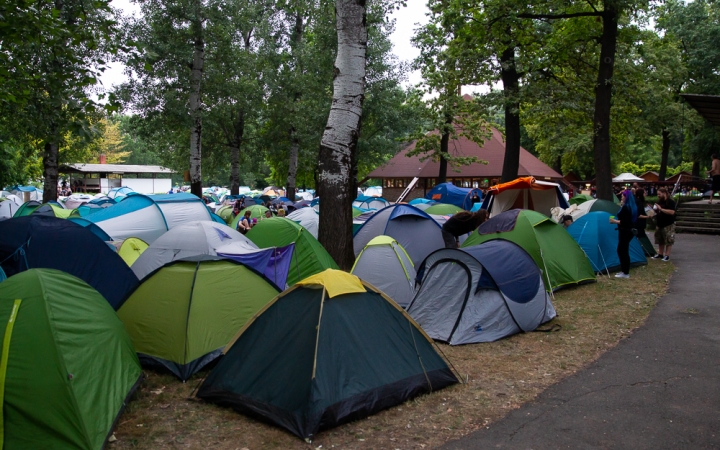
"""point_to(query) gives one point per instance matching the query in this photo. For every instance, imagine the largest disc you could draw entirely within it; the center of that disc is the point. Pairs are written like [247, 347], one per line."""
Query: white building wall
[148, 185]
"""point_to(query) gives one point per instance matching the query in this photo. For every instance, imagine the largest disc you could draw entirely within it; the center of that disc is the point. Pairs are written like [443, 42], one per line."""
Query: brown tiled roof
[492, 151]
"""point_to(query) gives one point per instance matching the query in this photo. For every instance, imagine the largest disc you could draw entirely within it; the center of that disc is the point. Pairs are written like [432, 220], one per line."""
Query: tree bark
[696, 169]
[511, 88]
[444, 148]
[665, 153]
[340, 137]
[292, 166]
[196, 74]
[50, 171]
[603, 102]
[238, 132]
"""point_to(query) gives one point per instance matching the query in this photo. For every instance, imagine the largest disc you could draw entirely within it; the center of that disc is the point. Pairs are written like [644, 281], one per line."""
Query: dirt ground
[498, 376]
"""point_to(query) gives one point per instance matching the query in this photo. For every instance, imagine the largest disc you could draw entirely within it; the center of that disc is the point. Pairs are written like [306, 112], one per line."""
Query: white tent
[627, 177]
[308, 218]
[7, 209]
[193, 241]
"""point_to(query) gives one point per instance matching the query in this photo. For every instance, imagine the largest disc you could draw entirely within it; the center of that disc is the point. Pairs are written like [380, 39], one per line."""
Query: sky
[406, 20]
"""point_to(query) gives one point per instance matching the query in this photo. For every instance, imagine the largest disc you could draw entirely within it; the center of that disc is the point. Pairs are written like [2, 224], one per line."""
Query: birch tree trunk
[339, 141]
[196, 74]
[603, 102]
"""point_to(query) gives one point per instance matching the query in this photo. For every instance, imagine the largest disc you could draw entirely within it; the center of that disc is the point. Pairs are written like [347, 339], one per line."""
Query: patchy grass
[500, 377]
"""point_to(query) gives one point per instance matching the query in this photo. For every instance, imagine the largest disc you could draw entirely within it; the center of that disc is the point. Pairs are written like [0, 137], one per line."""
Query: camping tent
[414, 230]
[385, 264]
[309, 256]
[330, 350]
[68, 367]
[599, 240]
[27, 193]
[14, 198]
[149, 216]
[130, 249]
[209, 241]
[366, 202]
[52, 210]
[627, 177]
[47, 242]
[480, 294]
[27, 208]
[556, 254]
[76, 200]
[8, 208]
[594, 206]
[308, 218]
[524, 193]
[420, 201]
[449, 193]
[182, 315]
[225, 213]
[442, 209]
[373, 191]
[119, 193]
[580, 198]
[256, 212]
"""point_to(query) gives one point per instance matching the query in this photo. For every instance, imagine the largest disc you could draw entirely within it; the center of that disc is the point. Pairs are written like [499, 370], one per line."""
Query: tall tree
[339, 141]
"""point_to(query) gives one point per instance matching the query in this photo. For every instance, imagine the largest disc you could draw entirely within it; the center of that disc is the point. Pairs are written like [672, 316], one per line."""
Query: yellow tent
[130, 249]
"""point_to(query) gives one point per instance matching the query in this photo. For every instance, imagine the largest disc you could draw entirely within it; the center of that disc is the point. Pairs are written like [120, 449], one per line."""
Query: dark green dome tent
[309, 257]
[67, 365]
[185, 313]
[330, 350]
[555, 252]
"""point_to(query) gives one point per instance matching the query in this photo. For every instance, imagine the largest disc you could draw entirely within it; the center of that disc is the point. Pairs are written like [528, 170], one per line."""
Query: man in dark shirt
[665, 221]
[461, 223]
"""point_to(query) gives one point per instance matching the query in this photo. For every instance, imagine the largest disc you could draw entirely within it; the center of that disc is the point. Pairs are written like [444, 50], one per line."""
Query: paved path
[658, 389]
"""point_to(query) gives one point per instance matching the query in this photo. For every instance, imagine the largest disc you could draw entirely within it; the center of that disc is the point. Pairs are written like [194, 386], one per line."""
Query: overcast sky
[406, 20]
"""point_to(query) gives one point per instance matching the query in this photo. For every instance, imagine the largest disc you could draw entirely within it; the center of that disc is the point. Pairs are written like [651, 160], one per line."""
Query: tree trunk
[196, 74]
[603, 101]
[444, 148]
[292, 166]
[340, 137]
[50, 171]
[665, 154]
[696, 169]
[511, 88]
[238, 132]
[557, 167]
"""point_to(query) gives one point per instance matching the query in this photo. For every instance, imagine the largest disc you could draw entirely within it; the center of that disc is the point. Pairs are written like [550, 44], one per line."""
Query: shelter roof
[707, 105]
[492, 151]
[112, 168]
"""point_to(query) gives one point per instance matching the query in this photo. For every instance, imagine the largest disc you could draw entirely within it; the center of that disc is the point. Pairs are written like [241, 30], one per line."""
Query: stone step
[685, 223]
[698, 218]
[680, 229]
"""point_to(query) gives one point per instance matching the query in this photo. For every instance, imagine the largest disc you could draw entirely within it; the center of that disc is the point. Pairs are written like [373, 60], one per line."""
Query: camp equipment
[442, 209]
[330, 350]
[599, 240]
[480, 294]
[309, 257]
[413, 229]
[556, 254]
[367, 202]
[524, 193]
[183, 314]
[308, 218]
[38, 241]
[67, 367]
[130, 249]
[385, 264]
[450, 194]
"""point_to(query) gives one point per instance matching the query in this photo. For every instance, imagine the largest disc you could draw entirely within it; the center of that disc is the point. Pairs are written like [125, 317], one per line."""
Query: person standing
[626, 218]
[665, 220]
[461, 223]
[641, 222]
[714, 172]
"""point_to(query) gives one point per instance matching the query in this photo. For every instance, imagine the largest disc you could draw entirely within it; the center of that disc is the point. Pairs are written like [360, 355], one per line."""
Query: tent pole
[603, 258]
[547, 274]
[317, 338]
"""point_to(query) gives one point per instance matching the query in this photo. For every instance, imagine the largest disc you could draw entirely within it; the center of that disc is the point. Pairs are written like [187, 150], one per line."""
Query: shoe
[666, 258]
[658, 256]
[622, 275]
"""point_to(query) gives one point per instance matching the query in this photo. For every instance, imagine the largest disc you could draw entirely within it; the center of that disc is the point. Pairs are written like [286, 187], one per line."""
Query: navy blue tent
[449, 193]
[37, 241]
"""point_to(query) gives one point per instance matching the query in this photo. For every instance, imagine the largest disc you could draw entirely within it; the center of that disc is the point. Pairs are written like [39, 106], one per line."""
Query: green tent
[555, 252]
[580, 198]
[225, 213]
[309, 256]
[357, 211]
[48, 209]
[130, 249]
[256, 212]
[27, 208]
[67, 365]
[329, 350]
[182, 316]
[443, 209]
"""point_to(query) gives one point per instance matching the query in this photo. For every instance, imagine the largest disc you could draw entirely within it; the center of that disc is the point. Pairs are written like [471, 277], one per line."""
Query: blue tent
[38, 241]
[365, 202]
[419, 200]
[449, 193]
[599, 240]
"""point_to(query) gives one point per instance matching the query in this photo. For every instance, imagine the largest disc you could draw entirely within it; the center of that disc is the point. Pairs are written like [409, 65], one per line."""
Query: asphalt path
[658, 389]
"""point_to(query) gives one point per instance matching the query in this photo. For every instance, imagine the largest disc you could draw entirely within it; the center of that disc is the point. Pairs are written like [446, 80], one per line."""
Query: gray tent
[308, 218]
[414, 230]
[480, 294]
[385, 264]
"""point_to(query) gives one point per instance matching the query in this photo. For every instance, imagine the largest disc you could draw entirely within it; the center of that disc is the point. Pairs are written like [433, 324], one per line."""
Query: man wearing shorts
[714, 172]
[665, 221]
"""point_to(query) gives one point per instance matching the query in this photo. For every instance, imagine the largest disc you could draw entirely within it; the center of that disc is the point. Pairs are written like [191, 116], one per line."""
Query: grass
[500, 377]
